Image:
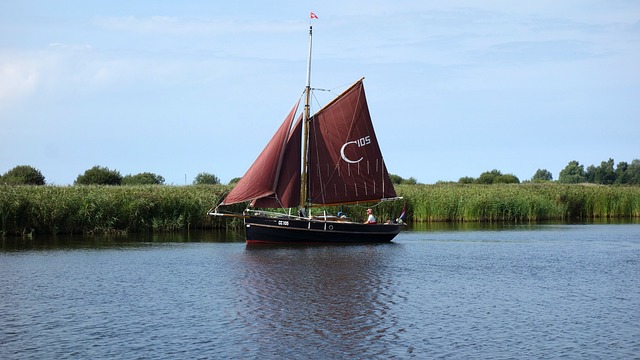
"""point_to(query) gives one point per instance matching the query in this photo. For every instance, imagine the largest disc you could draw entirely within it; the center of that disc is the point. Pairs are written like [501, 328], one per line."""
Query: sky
[455, 88]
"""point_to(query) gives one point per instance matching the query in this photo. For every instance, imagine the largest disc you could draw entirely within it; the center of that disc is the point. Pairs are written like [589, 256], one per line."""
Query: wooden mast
[305, 137]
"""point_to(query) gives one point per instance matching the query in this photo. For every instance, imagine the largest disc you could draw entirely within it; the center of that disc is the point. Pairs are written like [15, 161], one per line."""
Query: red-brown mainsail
[345, 161]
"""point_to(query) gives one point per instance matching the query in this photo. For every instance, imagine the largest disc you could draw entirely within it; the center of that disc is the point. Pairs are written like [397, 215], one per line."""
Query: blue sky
[455, 88]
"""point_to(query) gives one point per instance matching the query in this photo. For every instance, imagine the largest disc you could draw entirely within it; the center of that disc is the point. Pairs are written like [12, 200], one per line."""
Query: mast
[305, 125]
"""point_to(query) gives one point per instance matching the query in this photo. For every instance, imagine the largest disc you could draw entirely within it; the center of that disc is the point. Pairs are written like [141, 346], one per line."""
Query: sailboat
[328, 158]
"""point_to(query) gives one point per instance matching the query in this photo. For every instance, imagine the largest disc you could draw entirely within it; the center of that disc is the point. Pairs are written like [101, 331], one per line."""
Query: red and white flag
[312, 15]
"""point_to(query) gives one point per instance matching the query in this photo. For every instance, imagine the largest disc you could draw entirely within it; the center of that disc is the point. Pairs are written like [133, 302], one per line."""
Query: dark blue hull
[268, 230]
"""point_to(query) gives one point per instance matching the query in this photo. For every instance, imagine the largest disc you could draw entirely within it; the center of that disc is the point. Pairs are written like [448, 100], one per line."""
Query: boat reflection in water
[305, 298]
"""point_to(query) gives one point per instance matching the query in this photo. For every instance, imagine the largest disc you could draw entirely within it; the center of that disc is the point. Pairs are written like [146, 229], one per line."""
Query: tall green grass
[519, 202]
[108, 209]
[105, 209]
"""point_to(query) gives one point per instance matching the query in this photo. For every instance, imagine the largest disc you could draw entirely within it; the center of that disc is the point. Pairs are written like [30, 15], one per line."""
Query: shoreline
[26, 210]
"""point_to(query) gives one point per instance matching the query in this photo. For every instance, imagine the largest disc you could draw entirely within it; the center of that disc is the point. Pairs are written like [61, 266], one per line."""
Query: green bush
[496, 177]
[542, 175]
[99, 175]
[145, 178]
[205, 178]
[22, 175]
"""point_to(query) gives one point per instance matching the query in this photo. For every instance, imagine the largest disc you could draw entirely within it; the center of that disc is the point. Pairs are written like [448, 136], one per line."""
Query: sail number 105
[363, 141]
[283, 223]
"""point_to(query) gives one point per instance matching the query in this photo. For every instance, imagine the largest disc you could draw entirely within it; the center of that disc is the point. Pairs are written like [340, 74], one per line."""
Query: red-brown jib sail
[273, 180]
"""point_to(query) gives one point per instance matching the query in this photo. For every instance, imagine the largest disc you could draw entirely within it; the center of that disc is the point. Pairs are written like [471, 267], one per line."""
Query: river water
[519, 291]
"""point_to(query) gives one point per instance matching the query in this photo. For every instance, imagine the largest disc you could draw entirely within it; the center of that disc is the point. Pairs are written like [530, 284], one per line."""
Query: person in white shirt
[370, 218]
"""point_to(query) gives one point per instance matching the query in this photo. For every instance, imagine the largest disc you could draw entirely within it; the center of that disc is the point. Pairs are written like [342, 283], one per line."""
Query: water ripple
[512, 294]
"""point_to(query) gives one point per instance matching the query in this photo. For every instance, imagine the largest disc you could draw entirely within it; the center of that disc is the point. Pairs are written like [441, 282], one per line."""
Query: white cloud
[55, 70]
[18, 78]
[67, 71]
[190, 26]
[69, 47]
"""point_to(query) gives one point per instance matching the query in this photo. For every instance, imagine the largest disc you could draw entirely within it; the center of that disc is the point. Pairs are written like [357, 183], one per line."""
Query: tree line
[97, 175]
[607, 173]
[574, 173]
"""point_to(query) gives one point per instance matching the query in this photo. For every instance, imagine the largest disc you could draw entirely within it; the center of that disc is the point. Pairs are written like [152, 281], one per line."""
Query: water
[548, 291]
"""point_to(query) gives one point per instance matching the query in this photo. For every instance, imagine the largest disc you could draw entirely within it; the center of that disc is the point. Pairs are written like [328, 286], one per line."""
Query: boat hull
[268, 230]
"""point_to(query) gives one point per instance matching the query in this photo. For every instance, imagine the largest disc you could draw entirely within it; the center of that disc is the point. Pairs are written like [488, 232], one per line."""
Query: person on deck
[370, 218]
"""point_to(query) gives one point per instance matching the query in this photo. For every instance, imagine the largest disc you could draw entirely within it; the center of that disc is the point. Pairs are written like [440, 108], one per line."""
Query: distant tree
[395, 179]
[506, 179]
[590, 174]
[573, 173]
[466, 180]
[542, 175]
[488, 177]
[206, 179]
[496, 177]
[628, 173]
[99, 175]
[632, 174]
[234, 181]
[622, 177]
[22, 175]
[605, 174]
[410, 181]
[145, 178]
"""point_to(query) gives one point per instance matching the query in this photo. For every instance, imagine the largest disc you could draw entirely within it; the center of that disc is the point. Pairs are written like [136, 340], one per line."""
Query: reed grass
[519, 202]
[109, 209]
[106, 209]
